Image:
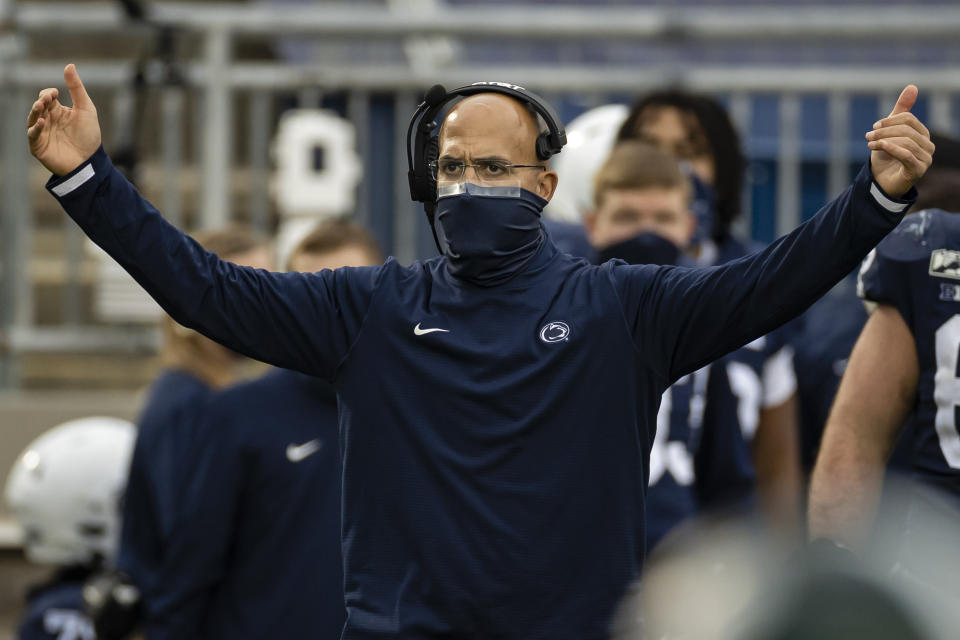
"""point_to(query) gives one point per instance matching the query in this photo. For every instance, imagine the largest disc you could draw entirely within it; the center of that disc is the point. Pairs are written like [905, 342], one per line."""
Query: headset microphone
[435, 95]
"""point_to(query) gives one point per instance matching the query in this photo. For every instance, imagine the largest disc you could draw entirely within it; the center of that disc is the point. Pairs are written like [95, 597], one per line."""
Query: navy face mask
[643, 248]
[488, 234]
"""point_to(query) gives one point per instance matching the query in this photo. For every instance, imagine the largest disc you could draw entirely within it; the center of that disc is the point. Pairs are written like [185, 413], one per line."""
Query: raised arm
[874, 397]
[298, 321]
[684, 318]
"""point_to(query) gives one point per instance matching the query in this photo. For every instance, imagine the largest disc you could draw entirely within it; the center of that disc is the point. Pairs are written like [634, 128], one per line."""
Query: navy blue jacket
[256, 549]
[494, 472]
[165, 430]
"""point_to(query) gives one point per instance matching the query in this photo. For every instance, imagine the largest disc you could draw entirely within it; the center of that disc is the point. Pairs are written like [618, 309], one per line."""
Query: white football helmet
[590, 138]
[65, 490]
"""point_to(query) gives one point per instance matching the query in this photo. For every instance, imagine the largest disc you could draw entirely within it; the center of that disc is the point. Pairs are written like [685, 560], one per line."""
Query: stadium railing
[230, 104]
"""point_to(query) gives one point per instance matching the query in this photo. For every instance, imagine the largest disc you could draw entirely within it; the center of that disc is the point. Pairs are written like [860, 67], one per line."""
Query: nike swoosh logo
[417, 331]
[298, 452]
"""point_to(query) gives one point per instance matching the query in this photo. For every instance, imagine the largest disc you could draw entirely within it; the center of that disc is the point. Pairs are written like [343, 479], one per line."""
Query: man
[256, 553]
[898, 381]
[497, 403]
[699, 459]
[833, 324]
[901, 378]
[193, 367]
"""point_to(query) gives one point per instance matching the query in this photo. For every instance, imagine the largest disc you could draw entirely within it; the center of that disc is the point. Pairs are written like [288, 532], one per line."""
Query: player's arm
[299, 321]
[875, 395]
[684, 318]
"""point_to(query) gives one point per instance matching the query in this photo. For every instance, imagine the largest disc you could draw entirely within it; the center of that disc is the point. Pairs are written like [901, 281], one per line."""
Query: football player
[899, 378]
[65, 492]
[833, 323]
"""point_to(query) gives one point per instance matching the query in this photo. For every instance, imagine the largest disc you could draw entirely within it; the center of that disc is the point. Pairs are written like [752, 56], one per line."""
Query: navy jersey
[671, 497]
[698, 460]
[56, 612]
[722, 456]
[495, 439]
[256, 552]
[916, 271]
[165, 428]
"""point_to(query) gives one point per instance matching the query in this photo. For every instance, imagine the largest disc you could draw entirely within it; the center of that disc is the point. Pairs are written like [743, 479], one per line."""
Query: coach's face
[493, 127]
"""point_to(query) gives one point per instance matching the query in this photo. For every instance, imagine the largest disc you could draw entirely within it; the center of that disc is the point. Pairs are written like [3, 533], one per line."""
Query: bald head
[499, 122]
[492, 126]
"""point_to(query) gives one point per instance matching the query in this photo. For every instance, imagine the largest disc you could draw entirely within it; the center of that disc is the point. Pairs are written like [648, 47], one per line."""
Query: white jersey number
[946, 389]
[67, 624]
[673, 456]
[747, 386]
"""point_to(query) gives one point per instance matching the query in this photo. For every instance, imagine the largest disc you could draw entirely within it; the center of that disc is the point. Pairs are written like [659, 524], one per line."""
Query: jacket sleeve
[682, 318]
[299, 321]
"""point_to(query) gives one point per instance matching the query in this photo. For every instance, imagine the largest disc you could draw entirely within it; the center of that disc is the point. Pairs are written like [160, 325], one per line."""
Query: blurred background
[277, 113]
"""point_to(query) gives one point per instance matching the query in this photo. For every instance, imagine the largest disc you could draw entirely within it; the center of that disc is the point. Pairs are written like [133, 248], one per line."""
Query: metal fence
[802, 123]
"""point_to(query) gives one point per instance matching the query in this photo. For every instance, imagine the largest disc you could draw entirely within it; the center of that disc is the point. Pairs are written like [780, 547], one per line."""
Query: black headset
[423, 142]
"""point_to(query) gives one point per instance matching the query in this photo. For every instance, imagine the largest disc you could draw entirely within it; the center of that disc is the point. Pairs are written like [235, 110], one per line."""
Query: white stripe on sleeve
[74, 182]
[885, 202]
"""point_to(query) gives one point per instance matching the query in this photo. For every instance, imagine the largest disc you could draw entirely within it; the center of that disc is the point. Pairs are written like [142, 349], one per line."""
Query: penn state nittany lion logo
[555, 332]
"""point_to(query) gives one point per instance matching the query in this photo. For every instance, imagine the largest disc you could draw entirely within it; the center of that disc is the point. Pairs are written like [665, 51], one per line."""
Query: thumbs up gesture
[901, 150]
[60, 137]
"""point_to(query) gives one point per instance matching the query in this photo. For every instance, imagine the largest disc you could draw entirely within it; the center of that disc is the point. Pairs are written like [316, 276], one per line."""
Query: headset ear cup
[543, 147]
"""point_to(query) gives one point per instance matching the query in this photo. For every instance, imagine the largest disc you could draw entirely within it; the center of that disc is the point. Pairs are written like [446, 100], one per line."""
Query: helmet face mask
[64, 491]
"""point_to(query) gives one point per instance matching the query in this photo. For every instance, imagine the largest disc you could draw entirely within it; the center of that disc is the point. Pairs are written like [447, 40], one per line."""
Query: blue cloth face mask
[487, 233]
[643, 248]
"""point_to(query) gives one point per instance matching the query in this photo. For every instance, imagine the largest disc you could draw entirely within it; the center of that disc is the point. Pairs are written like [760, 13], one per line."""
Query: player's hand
[60, 137]
[901, 150]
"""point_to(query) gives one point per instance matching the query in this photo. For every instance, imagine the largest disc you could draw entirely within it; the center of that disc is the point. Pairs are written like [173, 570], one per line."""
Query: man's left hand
[901, 150]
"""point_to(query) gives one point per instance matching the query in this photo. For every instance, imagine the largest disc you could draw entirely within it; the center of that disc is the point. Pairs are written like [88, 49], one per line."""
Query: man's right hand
[62, 138]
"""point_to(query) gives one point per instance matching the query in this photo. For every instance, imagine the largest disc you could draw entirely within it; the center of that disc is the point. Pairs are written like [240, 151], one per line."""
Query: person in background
[256, 549]
[65, 492]
[697, 131]
[193, 367]
[898, 394]
[699, 460]
[833, 324]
